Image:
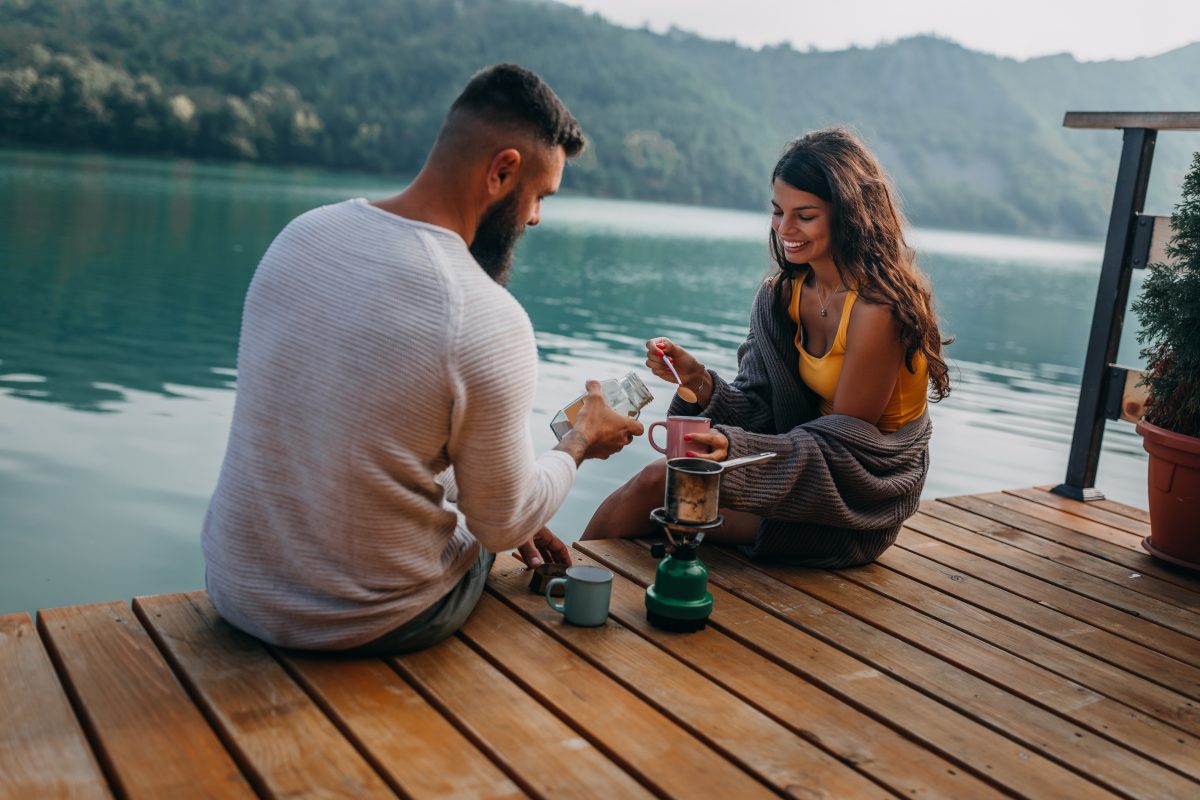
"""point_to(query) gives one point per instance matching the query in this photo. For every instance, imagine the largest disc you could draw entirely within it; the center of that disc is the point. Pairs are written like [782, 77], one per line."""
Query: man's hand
[544, 546]
[599, 431]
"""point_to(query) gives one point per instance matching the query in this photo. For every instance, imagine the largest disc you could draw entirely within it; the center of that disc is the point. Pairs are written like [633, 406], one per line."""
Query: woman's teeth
[793, 245]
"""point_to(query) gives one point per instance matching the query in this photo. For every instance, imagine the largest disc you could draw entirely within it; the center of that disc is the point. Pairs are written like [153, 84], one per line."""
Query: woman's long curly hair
[867, 233]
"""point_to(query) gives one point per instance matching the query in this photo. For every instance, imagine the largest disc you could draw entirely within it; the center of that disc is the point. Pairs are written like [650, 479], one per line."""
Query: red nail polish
[687, 437]
[691, 454]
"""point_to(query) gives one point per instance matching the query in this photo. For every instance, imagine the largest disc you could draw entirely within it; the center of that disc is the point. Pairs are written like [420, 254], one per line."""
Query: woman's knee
[651, 480]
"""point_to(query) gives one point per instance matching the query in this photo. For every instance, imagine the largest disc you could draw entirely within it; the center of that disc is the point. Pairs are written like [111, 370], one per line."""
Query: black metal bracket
[1142, 239]
[1114, 394]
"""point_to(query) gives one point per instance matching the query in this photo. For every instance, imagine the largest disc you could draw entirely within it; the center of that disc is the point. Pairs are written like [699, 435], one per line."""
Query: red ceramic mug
[677, 428]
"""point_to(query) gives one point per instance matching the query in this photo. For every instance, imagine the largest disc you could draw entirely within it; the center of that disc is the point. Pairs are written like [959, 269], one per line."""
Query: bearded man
[380, 451]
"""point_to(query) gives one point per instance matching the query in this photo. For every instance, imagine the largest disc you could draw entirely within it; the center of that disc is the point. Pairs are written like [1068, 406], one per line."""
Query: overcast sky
[1091, 30]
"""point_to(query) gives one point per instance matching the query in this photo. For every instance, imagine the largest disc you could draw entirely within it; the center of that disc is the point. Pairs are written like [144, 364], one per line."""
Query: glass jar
[626, 394]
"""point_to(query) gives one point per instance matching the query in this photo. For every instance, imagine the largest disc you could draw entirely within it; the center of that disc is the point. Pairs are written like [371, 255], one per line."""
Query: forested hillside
[973, 141]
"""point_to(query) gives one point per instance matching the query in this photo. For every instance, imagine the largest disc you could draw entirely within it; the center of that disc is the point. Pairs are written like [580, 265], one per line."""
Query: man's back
[371, 347]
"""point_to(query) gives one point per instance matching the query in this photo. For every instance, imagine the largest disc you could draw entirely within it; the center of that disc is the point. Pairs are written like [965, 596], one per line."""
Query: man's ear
[502, 171]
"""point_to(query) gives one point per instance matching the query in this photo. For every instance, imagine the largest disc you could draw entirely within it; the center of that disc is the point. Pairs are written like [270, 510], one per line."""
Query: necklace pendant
[822, 312]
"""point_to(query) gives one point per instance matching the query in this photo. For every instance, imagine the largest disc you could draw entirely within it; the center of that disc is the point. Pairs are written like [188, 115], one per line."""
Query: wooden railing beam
[1148, 120]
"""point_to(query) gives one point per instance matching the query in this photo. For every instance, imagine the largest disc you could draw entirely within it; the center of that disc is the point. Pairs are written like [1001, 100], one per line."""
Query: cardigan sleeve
[835, 470]
[744, 403]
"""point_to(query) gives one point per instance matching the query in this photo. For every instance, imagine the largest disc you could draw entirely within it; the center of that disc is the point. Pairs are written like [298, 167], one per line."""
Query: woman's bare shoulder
[871, 313]
[872, 322]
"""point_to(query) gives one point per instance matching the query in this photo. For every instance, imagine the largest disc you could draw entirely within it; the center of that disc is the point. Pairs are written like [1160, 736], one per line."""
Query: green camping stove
[679, 600]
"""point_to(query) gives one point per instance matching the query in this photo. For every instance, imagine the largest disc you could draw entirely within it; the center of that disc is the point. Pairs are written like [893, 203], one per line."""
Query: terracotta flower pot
[1174, 495]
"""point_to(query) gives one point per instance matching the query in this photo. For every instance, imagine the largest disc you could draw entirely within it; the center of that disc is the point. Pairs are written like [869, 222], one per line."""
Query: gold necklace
[824, 302]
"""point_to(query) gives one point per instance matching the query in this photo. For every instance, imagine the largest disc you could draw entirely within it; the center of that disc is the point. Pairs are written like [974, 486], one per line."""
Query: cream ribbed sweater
[375, 353]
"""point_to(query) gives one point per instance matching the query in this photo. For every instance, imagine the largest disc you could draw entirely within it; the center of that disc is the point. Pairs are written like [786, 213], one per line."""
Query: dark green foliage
[973, 141]
[1169, 309]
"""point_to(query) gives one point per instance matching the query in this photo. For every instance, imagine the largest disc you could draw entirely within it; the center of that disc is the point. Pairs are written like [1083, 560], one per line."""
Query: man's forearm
[574, 444]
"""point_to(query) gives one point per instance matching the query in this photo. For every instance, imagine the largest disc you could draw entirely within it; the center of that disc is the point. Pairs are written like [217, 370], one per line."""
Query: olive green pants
[437, 622]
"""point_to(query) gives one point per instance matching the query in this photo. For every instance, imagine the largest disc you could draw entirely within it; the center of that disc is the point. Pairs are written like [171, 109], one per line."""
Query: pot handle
[746, 461]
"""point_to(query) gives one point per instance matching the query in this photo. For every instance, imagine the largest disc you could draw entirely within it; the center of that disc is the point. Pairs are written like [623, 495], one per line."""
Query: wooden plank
[1154, 120]
[1027, 529]
[1127, 511]
[1063, 740]
[1024, 644]
[283, 742]
[43, 752]
[150, 737]
[1160, 237]
[1075, 532]
[398, 731]
[1134, 394]
[639, 738]
[890, 758]
[1132, 658]
[947, 544]
[982, 750]
[1112, 536]
[544, 754]
[724, 721]
[991, 545]
[1100, 516]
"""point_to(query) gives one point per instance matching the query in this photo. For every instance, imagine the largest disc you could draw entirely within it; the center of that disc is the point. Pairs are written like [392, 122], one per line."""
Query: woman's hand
[691, 372]
[714, 439]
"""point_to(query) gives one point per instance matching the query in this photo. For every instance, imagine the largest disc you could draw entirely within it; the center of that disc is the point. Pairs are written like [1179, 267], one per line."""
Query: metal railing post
[1129, 197]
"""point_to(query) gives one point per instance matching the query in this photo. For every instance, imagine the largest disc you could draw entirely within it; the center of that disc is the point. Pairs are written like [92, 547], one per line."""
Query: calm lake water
[121, 286]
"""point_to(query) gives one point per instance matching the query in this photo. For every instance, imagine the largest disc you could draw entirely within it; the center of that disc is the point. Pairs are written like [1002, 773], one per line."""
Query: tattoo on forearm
[574, 444]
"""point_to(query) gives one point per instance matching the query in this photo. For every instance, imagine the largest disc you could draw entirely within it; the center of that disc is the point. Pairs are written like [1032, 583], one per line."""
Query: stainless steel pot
[693, 490]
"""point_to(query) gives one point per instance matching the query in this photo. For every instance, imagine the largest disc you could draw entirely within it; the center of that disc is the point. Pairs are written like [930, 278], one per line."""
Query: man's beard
[496, 239]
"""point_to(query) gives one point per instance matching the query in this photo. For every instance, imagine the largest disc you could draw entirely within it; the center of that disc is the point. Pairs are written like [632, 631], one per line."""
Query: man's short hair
[505, 94]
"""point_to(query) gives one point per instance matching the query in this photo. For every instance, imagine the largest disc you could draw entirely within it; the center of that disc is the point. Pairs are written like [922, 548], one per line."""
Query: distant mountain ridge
[973, 141]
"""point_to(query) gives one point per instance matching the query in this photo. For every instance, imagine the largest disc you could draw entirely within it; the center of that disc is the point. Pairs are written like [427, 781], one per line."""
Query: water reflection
[121, 286]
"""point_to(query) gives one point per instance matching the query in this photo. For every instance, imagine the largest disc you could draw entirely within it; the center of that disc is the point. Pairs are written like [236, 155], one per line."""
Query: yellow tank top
[821, 374]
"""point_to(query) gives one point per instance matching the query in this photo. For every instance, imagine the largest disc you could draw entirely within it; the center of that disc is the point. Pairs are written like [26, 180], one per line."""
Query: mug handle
[559, 607]
[650, 436]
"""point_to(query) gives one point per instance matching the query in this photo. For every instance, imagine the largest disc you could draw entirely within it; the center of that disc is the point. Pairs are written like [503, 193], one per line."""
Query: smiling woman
[841, 396]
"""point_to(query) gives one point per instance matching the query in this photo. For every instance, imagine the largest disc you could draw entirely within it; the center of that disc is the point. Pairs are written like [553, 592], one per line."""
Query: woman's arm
[874, 355]
[744, 403]
[747, 401]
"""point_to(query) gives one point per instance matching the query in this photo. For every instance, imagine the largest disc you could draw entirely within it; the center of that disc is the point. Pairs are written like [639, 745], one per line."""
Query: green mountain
[972, 140]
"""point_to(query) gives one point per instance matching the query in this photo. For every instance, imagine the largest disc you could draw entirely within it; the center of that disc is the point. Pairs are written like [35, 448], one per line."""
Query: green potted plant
[1169, 308]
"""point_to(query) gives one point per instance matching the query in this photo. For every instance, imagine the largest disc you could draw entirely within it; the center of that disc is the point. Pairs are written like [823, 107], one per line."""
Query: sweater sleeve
[834, 470]
[769, 489]
[506, 492]
[745, 403]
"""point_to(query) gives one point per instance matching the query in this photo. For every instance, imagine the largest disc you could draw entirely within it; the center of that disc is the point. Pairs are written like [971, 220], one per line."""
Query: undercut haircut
[506, 95]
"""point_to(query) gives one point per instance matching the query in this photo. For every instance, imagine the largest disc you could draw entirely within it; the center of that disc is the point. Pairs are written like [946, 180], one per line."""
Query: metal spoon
[682, 391]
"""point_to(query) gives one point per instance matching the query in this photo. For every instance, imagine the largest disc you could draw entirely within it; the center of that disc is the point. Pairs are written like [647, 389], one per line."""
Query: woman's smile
[794, 245]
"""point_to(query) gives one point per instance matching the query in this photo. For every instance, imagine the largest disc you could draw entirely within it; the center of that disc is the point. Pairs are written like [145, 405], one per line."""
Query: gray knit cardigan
[839, 490]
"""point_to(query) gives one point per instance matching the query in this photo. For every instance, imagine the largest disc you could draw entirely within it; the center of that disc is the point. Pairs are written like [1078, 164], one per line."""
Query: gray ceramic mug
[588, 591]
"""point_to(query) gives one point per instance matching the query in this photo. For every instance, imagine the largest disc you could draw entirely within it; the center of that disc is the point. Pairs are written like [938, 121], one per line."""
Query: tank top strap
[839, 339]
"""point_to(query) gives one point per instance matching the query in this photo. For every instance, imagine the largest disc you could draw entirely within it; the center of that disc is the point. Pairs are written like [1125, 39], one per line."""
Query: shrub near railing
[1169, 310]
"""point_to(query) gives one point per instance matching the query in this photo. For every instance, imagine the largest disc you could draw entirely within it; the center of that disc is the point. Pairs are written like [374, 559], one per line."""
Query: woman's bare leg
[626, 512]
[740, 527]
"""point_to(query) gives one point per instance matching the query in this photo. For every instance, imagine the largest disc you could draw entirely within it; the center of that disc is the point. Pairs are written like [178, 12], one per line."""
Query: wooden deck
[1013, 643]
